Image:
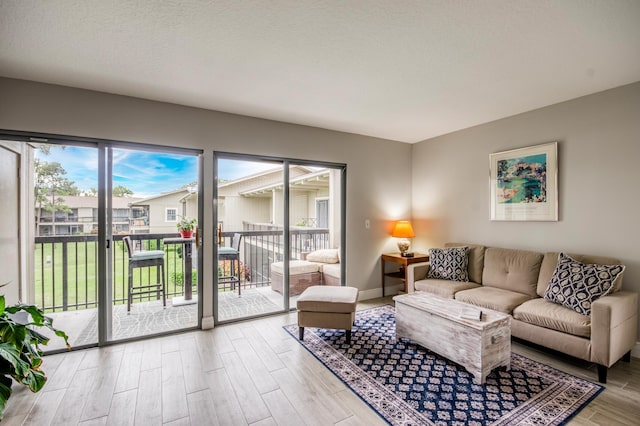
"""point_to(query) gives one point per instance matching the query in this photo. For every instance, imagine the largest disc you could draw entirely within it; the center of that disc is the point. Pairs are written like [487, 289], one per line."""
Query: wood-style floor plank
[75, 398]
[281, 409]
[149, 398]
[225, 403]
[248, 396]
[123, 408]
[201, 410]
[252, 372]
[255, 367]
[174, 395]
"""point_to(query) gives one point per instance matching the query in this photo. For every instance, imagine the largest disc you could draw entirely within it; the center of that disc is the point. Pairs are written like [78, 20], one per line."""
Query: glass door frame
[286, 164]
[105, 156]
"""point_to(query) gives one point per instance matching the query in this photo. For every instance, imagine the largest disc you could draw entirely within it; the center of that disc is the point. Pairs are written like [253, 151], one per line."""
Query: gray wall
[599, 176]
[378, 176]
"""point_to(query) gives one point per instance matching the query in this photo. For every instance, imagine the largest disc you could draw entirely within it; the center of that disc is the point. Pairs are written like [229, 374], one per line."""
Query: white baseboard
[377, 292]
[207, 323]
[635, 352]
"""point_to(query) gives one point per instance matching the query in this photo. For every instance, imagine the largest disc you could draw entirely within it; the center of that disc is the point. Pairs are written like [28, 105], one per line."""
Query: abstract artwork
[524, 184]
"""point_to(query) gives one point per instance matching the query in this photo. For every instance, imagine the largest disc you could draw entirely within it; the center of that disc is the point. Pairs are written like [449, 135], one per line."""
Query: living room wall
[598, 178]
[378, 179]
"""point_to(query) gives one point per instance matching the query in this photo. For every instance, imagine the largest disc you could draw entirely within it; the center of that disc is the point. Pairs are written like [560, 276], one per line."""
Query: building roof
[76, 202]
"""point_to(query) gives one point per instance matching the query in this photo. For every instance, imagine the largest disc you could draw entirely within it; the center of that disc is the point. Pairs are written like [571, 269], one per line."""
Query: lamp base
[406, 254]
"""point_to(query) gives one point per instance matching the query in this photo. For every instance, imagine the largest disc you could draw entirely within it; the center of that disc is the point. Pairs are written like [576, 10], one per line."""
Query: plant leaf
[5, 393]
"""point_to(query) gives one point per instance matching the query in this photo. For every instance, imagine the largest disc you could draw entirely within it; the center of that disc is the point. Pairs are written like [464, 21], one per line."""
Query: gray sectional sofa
[515, 281]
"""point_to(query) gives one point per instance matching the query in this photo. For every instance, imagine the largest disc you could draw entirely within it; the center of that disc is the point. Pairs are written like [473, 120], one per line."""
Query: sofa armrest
[415, 272]
[614, 326]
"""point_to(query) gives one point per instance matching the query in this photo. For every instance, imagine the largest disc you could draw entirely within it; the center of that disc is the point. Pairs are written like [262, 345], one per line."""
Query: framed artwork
[524, 183]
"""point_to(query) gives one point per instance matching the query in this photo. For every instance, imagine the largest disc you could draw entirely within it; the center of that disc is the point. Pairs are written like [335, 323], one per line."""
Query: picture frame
[524, 183]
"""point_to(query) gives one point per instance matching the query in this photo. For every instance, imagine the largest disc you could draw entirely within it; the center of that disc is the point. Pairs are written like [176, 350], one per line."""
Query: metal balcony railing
[66, 267]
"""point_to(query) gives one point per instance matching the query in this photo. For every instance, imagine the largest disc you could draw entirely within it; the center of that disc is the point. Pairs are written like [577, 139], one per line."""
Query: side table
[404, 262]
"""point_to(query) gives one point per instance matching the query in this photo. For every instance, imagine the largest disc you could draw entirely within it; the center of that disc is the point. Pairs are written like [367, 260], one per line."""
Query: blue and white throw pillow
[576, 285]
[449, 264]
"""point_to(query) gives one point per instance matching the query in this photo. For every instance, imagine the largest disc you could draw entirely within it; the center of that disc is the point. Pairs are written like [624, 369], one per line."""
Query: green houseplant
[186, 226]
[20, 353]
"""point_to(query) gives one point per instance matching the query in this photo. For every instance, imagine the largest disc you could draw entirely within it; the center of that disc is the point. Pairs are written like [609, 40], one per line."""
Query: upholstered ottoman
[327, 307]
[302, 274]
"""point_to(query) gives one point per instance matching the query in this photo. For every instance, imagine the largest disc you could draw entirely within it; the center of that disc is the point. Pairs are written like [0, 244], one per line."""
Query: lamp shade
[403, 229]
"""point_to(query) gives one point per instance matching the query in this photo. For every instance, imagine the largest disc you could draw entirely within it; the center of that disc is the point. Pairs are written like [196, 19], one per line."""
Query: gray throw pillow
[576, 285]
[449, 264]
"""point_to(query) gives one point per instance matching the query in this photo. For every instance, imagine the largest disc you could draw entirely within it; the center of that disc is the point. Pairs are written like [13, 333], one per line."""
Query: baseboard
[207, 323]
[377, 292]
[635, 352]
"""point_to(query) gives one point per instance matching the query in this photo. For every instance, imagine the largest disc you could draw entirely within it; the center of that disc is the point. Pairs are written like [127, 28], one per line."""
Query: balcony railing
[66, 267]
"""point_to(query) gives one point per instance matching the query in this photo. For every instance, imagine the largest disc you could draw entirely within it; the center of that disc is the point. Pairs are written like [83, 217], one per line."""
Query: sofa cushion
[514, 270]
[575, 284]
[476, 260]
[547, 314]
[449, 263]
[324, 256]
[443, 288]
[550, 262]
[492, 298]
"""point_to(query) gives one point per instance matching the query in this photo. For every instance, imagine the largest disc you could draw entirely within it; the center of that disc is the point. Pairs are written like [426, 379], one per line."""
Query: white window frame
[175, 214]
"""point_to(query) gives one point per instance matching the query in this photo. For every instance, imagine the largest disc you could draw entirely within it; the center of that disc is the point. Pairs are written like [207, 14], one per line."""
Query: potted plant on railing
[20, 353]
[186, 227]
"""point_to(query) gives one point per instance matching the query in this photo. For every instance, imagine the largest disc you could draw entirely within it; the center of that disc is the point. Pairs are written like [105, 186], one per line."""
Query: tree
[121, 191]
[50, 184]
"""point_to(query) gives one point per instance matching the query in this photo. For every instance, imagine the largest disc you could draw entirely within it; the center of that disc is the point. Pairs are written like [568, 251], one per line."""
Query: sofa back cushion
[550, 262]
[515, 270]
[476, 260]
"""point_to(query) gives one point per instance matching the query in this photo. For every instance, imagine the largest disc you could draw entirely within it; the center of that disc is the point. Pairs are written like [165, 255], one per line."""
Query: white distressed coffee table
[441, 326]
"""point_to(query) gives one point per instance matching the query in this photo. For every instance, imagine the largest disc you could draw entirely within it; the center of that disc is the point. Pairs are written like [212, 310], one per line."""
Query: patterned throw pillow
[449, 264]
[576, 285]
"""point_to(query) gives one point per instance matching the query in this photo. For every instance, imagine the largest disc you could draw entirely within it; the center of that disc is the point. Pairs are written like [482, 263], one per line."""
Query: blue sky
[145, 173]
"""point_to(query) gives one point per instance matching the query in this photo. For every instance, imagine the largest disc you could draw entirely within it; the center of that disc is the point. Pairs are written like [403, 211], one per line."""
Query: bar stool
[145, 259]
[232, 254]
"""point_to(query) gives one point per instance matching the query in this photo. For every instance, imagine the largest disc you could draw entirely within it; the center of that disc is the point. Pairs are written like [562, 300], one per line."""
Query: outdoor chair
[143, 259]
[231, 254]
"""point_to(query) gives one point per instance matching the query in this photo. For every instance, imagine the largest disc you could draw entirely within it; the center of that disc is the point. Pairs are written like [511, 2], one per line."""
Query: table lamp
[404, 231]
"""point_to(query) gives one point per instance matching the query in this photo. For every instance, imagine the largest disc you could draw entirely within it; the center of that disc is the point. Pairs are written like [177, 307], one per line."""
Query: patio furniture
[231, 254]
[187, 253]
[302, 275]
[327, 307]
[144, 259]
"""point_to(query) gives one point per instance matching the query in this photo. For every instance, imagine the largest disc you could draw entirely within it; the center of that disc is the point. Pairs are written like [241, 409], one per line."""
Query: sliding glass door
[154, 270]
[271, 214]
[97, 246]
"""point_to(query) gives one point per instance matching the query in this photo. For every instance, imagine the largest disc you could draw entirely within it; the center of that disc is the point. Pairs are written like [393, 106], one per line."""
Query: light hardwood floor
[246, 373]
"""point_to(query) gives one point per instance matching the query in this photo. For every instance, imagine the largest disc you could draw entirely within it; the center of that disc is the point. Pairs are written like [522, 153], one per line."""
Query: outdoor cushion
[324, 256]
[492, 298]
[547, 314]
[575, 284]
[332, 269]
[147, 254]
[295, 267]
[443, 288]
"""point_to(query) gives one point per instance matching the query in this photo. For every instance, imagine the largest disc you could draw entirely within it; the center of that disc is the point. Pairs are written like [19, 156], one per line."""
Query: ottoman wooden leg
[348, 337]
[301, 333]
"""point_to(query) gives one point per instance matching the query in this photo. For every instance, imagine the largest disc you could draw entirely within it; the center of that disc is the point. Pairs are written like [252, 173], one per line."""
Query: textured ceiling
[405, 70]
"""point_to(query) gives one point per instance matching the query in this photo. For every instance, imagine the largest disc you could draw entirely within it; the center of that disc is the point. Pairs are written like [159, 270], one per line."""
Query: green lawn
[82, 273]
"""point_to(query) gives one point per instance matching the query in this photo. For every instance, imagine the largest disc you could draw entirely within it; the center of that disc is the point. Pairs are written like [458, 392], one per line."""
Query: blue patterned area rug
[409, 385]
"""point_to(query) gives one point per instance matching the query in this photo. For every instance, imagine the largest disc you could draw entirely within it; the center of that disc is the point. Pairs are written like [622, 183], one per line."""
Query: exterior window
[171, 215]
